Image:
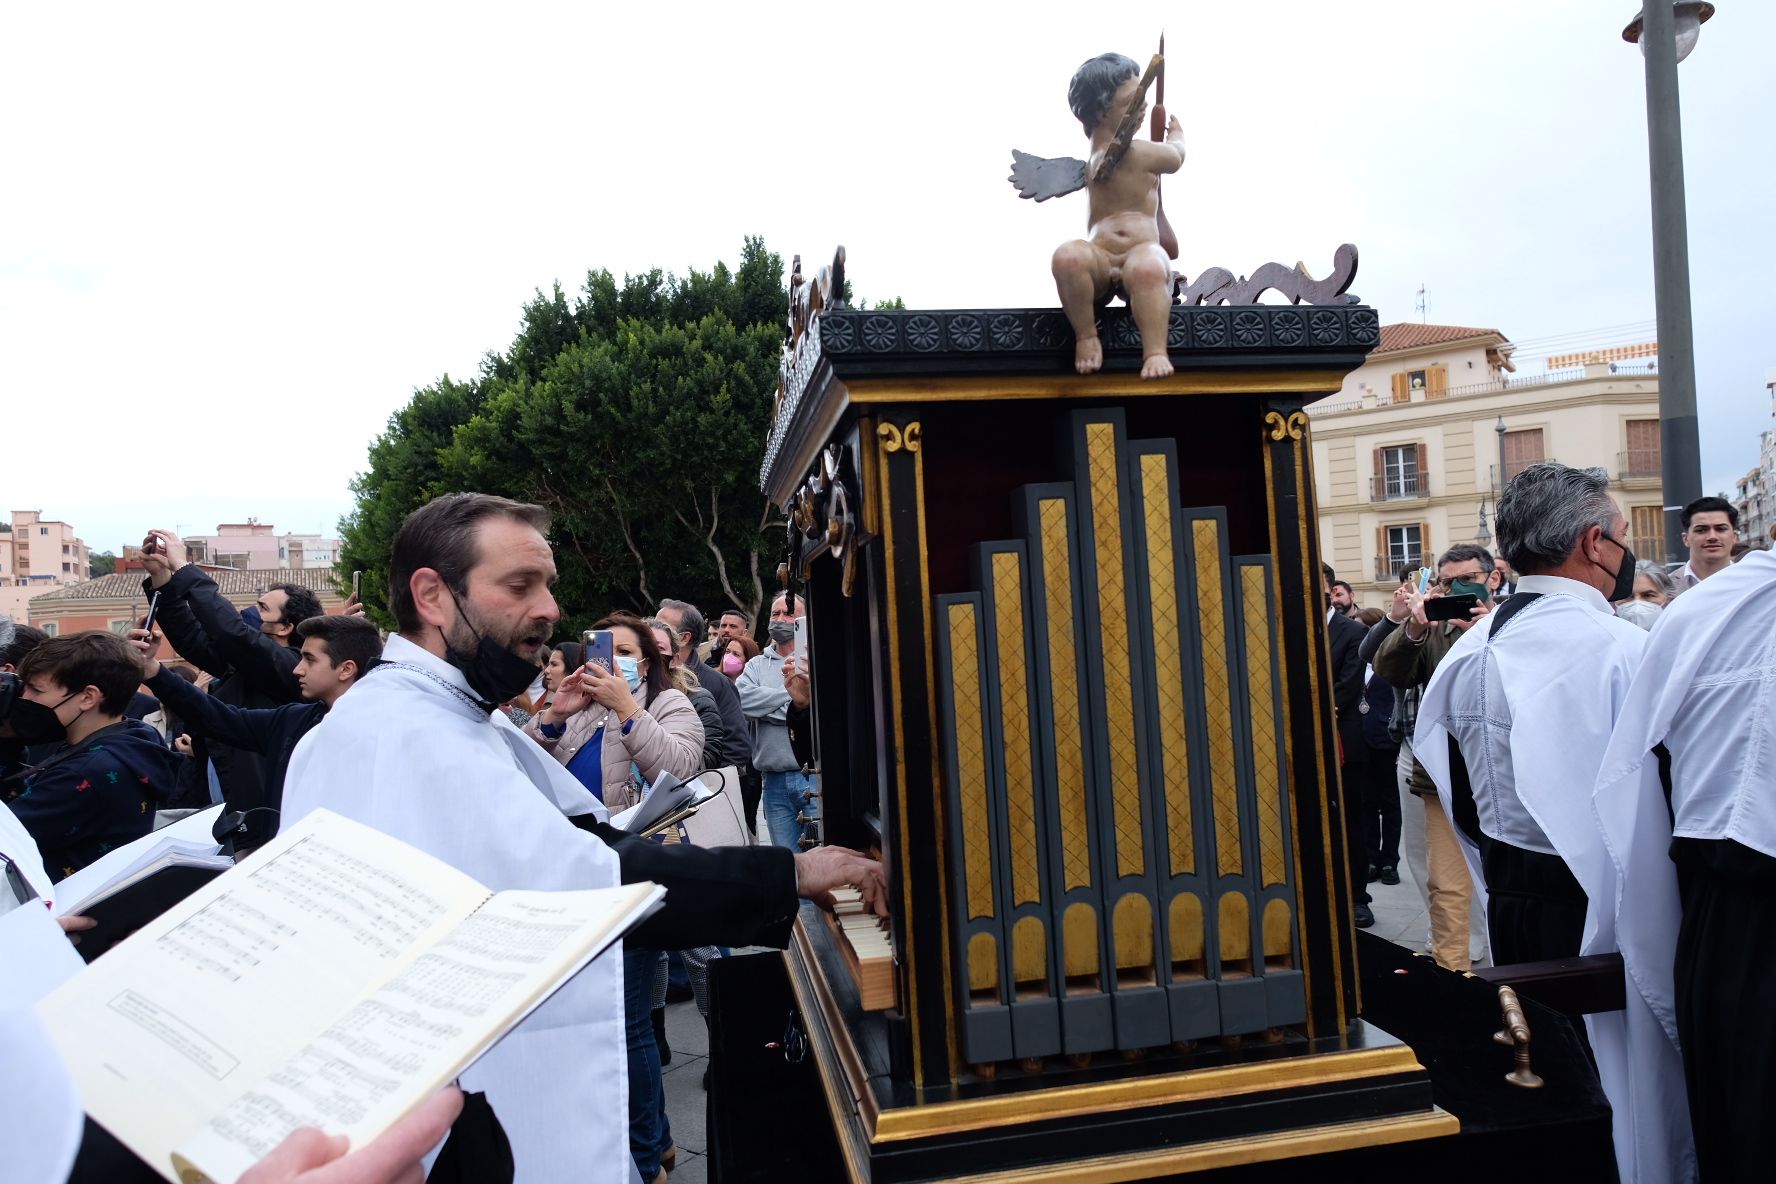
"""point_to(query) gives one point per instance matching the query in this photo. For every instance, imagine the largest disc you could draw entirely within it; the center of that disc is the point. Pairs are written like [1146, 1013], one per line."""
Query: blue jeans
[649, 1133]
[782, 801]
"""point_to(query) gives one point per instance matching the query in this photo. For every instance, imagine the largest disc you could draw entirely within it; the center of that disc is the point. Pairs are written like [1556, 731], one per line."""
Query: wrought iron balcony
[1638, 464]
[1387, 567]
[1393, 487]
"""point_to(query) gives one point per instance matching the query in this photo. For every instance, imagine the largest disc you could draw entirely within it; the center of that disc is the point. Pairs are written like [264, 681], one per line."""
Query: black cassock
[1726, 1007]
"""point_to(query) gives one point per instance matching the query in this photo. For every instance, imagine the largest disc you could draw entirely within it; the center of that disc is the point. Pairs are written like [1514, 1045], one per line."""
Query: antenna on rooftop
[1424, 303]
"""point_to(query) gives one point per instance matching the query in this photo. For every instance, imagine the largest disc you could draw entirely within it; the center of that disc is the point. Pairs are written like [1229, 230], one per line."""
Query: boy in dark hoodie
[99, 789]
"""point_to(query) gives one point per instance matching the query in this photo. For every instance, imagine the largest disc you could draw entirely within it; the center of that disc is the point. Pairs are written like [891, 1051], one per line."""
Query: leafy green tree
[636, 413]
[101, 563]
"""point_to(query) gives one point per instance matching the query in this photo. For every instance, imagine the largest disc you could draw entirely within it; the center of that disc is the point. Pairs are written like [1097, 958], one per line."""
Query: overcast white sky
[235, 238]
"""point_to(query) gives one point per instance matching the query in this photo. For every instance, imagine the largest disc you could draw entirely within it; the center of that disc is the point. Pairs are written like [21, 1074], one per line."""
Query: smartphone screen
[357, 584]
[153, 603]
[801, 639]
[1450, 608]
[597, 649]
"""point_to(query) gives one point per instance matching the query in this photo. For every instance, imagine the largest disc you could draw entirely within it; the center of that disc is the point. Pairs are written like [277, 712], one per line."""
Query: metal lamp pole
[1680, 458]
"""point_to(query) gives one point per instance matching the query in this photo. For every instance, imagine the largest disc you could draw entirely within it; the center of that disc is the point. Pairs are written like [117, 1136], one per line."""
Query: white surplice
[18, 848]
[1533, 713]
[1707, 691]
[408, 752]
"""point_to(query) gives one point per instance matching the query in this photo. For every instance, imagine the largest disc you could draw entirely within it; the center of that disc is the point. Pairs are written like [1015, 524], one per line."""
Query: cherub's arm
[1167, 157]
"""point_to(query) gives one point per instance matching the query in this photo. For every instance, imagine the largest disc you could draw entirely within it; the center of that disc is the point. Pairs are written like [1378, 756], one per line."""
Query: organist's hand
[821, 870]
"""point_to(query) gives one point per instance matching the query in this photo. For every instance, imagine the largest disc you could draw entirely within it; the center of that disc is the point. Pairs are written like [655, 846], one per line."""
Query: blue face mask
[631, 670]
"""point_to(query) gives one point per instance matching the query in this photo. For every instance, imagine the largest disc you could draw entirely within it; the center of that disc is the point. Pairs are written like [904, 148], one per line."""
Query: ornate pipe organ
[1070, 680]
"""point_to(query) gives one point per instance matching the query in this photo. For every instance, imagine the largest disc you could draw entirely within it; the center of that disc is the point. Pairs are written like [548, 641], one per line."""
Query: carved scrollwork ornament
[1290, 427]
[890, 437]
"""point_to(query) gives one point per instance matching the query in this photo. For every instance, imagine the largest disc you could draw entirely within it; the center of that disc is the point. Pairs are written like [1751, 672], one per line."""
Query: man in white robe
[1696, 878]
[418, 751]
[1512, 728]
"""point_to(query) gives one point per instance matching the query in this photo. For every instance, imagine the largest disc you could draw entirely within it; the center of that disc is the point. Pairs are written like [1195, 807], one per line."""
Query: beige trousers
[1449, 886]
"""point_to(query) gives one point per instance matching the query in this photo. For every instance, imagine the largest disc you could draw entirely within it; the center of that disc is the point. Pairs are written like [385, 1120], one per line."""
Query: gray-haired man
[1513, 729]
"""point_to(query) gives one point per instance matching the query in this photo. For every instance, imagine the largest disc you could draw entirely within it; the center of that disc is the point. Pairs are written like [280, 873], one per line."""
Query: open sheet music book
[335, 978]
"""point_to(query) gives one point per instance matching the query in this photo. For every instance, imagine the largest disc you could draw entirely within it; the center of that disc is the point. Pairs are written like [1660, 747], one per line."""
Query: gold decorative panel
[1169, 691]
[1029, 953]
[983, 963]
[971, 764]
[1261, 704]
[1119, 706]
[1279, 934]
[1063, 682]
[1187, 935]
[1236, 934]
[1014, 725]
[1212, 625]
[1132, 927]
[1079, 943]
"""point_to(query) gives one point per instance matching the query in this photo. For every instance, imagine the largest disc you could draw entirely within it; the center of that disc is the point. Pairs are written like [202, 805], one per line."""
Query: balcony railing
[1393, 487]
[1638, 463]
[1643, 370]
[1387, 567]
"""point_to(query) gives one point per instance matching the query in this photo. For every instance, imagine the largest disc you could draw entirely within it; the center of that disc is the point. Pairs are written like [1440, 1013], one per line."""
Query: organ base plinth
[1105, 1119]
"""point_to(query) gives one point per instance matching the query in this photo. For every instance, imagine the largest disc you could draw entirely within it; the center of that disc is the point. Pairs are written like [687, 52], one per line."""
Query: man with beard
[420, 751]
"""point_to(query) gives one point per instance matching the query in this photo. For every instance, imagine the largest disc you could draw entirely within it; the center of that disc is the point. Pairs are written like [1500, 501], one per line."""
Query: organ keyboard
[867, 945]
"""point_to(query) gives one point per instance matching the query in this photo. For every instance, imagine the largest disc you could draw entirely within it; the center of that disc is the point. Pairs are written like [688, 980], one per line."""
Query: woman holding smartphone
[642, 726]
[617, 729]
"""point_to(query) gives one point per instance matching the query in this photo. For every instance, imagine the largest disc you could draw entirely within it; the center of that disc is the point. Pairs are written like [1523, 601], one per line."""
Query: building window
[1646, 530]
[43, 530]
[1522, 449]
[50, 628]
[121, 626]
[1642, 459]
[1400, 472]
[1400, 546]
[1432, 382]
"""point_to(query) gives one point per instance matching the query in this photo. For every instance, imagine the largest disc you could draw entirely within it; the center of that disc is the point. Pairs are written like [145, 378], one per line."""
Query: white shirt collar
[1561, 586]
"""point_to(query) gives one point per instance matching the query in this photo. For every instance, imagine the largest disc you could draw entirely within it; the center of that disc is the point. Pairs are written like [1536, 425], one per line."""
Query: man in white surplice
[419, 751]
[1687, 798]
[1513, 728]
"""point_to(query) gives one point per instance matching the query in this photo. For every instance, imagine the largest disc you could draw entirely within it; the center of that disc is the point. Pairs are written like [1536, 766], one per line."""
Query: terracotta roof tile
[1407, 335]
[126, 584]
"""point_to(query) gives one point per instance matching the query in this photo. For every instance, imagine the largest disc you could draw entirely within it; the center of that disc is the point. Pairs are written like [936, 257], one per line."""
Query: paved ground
[1399, 916]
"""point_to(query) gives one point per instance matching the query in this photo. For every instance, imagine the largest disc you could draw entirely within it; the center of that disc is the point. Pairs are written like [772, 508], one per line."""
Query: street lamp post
[1667, 32]
[1500, 429]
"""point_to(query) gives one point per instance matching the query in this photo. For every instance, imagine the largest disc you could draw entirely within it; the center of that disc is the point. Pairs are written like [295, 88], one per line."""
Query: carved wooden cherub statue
[1125, 252]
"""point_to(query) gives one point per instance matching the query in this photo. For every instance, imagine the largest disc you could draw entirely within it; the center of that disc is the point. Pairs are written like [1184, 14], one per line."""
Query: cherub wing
[1042, 178]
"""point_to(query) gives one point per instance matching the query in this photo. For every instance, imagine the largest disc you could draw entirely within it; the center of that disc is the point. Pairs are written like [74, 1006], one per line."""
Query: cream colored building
[1407, 455]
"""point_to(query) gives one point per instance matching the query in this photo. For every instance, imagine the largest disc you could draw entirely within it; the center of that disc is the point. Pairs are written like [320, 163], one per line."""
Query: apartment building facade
[255, 545]
[38, 555]
[1410, 455]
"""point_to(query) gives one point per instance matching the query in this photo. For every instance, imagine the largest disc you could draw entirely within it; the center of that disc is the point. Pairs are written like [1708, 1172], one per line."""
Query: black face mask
[781, 632]
[1624, 588]
[493, 672]
[37, 723]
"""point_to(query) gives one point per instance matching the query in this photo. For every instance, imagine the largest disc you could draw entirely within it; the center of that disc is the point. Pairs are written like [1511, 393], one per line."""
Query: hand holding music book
[335, 978]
